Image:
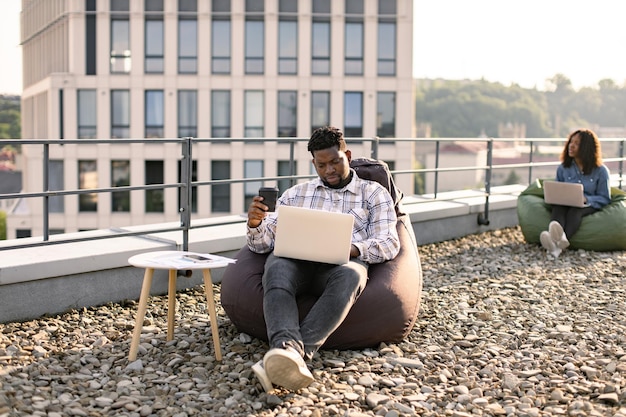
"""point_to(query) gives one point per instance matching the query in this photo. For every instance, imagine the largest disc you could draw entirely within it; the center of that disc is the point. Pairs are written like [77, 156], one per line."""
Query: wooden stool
[173, 261]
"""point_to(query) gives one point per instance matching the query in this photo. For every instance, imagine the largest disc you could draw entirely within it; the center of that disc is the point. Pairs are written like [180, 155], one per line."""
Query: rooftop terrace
[503, 330]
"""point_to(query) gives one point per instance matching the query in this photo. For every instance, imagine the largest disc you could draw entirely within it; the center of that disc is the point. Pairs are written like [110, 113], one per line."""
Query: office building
[121, 69]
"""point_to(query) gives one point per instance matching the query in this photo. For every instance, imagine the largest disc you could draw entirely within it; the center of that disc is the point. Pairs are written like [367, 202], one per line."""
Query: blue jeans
[337, 286]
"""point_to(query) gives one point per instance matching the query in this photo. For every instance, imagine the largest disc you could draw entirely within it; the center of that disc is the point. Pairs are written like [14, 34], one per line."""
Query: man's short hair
[326, 137]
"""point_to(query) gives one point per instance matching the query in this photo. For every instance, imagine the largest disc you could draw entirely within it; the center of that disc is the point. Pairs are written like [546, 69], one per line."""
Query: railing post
[621, 162]
[185, 190]
[483, 218]
[46, 187]
[292, 164]
[530, 161]
[374, 151]
[436, 169]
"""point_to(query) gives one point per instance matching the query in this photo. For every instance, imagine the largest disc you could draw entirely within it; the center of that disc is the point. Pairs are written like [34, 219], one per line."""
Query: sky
[508, 41]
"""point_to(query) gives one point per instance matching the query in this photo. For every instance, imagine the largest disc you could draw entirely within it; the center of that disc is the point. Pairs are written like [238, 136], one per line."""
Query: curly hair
[326, 137]
[589, 151]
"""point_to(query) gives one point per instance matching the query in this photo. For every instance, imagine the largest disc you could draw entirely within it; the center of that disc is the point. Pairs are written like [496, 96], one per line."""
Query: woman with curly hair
[581, 163]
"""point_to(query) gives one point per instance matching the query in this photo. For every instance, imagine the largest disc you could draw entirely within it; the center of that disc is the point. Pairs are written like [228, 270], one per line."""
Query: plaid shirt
[374, 232]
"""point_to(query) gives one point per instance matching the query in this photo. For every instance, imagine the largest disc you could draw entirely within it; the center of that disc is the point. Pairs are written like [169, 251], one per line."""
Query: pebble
[503, 330]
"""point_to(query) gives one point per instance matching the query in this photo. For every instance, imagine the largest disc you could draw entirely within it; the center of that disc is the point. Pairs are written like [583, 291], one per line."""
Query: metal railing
[186, 185]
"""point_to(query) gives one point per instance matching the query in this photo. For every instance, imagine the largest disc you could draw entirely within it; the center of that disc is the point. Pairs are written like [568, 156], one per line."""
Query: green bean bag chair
[604, 230]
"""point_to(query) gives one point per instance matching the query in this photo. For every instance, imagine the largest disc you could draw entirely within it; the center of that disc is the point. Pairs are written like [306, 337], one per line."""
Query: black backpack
[377, 170]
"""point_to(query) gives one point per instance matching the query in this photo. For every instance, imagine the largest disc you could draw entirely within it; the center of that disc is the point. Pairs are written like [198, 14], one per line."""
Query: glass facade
[154, 175]
[320, 109]
[353, 114]
[287, 113]
[386, 115]
[187, 46]
[187, 113]
[220, 114]
[220, 193]
[120, 177]
[87, 178]
[154, 113]
[154, 46]
[87, 114]
[253, 114]
[120, 114]
[220, 46]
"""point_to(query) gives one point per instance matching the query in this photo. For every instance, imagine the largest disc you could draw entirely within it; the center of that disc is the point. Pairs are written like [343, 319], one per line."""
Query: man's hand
[354, 251]
[256, 211]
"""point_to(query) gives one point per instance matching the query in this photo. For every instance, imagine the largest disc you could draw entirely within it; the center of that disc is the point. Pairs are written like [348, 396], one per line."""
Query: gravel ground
[504, 330]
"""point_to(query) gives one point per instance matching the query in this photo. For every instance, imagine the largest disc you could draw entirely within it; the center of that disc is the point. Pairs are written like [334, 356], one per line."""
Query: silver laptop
[313, 235]
[564, 194]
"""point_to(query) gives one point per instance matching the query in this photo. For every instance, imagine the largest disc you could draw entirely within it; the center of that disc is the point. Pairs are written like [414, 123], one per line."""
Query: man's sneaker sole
[261, 375]
[287, 369]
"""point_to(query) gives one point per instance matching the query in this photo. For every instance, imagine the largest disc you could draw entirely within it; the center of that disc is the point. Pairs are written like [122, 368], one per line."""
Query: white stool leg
[171, 304]
[208, 290]
[141, 313]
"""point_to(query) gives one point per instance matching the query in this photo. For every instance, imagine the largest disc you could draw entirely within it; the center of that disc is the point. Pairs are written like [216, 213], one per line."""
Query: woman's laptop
[564, 194]
[313, 235]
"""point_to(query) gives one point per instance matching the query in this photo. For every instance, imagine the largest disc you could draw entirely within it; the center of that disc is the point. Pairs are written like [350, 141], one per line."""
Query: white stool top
[173, 259]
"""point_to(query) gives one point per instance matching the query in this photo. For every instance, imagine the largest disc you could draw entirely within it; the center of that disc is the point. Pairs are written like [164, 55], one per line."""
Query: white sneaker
[549, 245]
[285, 367]
[261, 375]
[558, 235]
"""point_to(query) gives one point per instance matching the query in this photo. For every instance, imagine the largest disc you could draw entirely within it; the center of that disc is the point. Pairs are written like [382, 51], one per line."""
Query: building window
[87, 179]
[120, 37]
[220, 193]
[194, 189]
[288, 37]
[187, 46]
[285, 169]
[254, 37]
[386, 115]
[353, 64]
[188, 6]
[187, 113]
[287, 47]
[87, 114]
[386, 8]
[253, 114]
[251, 169]
[353, 114]
[120, 114]
[154, 46]
[287, 114]
[22, 233]
[220, 45]
[320, 38]
[120, 177]
[220, 114]
[154, 114]
[386, 48]
[354, 48]
[220, 37]
[254, 47]
[56, 174]
[154, 175]
[320, 109]
[90, 37]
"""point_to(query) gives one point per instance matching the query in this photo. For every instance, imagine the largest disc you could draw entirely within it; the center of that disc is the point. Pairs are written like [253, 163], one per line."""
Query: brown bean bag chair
[385, 311]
